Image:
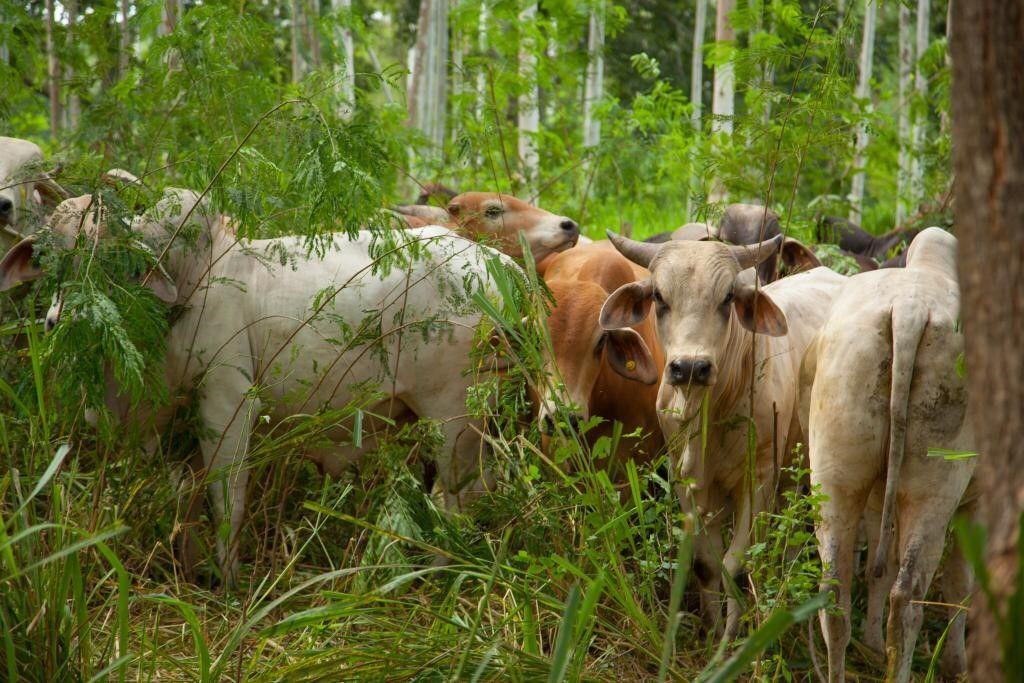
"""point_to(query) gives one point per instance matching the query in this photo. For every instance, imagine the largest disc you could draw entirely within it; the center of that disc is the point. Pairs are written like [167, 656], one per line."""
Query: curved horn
[639, 253]
[750, 256]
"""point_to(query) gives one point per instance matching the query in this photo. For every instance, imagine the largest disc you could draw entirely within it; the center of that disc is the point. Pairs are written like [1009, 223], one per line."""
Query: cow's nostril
[574, 421]
[570, 226]
[701, 371]
[547, 426]
[6, 205]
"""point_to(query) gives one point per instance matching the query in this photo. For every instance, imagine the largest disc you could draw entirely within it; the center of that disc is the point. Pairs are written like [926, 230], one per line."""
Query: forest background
[301, 116]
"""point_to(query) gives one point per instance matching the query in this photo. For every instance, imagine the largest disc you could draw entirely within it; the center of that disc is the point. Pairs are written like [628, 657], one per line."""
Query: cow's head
[24, 186]
[580, 347]
[484, 216]
[74, 220]
[698, 294]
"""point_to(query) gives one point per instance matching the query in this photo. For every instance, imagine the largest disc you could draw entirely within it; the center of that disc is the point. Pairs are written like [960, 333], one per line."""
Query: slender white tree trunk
[723, 101]
[5, 53]
[906, 60]
[170, 14]
[458, 67]
[920, 121]
[298, 29]
[481, 46]
[595, 77]
[696, 94]
[313, 32]
[52, 72]
[125, 40]
[74, 109]
[867, 53]
[428, 103]
[529, 118]
[343, 69]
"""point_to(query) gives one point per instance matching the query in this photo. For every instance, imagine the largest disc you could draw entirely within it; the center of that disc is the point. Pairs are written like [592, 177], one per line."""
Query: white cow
[707, 307]
[879, 386]
[269, 332]
[24, 187]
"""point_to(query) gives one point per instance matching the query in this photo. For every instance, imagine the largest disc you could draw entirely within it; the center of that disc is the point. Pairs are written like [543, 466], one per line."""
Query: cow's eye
[659, 303]
[492, 211]
[728, 299]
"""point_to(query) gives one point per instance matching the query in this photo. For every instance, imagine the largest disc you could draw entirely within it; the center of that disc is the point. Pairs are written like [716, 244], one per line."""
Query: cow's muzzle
[6, 211]
[547, 423]
[697, 371]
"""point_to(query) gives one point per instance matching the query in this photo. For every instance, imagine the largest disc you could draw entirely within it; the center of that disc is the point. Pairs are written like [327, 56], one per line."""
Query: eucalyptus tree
[867, 52]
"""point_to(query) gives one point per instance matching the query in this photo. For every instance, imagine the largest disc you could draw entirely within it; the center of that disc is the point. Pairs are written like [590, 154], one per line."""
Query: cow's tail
[908, 324]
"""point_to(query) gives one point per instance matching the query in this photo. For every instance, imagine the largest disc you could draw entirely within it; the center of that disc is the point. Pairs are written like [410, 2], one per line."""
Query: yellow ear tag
[631, 364]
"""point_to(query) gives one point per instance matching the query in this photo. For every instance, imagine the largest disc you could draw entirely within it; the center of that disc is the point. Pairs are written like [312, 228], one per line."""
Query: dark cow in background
[743, 225]
[870, 251]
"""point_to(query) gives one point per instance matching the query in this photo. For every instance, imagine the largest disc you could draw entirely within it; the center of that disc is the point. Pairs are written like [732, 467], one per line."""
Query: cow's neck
[733, 370]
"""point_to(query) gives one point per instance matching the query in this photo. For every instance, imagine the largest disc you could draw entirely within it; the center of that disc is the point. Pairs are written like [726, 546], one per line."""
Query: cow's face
[579, 349]
[500, 217]
[79, 218]
[698, 293]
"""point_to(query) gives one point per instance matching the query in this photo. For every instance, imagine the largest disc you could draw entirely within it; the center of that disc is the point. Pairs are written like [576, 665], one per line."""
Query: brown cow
[612, 374]
[497, 219]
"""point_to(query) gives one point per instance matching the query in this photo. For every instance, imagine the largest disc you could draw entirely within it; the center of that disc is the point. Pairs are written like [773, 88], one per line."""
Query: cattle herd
[722, 346]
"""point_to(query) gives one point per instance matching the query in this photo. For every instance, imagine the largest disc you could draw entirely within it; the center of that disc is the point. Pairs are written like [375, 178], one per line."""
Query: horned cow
[706, 306]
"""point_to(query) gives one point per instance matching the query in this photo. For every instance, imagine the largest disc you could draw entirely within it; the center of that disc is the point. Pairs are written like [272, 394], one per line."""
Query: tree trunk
[920, 121]
[696, 95]
[987, 100]
[428, 103]
[313, 33]
[867, 53]
[74, 109]
[723, 101]
[458, 70]
[529, 119]
[723, 96]
[125, 41]
[481, 77]
[298, 29]
[906, 60]
[595, 77]
[170, 14]
[52, 72]
[344, 70]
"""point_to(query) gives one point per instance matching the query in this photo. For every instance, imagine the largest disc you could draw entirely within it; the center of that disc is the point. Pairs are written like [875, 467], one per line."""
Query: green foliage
[571, 569]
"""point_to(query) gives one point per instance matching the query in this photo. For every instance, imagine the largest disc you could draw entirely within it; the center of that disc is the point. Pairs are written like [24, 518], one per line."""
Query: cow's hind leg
[878, 587]
[228, 423]
[837, 534]
[922, 531]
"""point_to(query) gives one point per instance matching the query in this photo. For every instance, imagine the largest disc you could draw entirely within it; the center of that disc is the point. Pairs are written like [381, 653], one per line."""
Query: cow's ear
[627, 306]
[758, 313]
[17, 266]
[798, 256]
[629, 356]
[161, 284]
[453, 209]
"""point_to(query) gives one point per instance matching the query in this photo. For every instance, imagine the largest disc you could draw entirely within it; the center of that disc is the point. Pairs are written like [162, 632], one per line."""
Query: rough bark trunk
[921, 120]
[906, 60]
[52, 72]
[696, 94]
[529, 117]
[987, 50]
[595, 77]
[867, 52]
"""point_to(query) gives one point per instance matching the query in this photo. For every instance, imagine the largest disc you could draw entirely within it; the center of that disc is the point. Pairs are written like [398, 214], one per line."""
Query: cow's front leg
[463, 471]
[228, 411]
